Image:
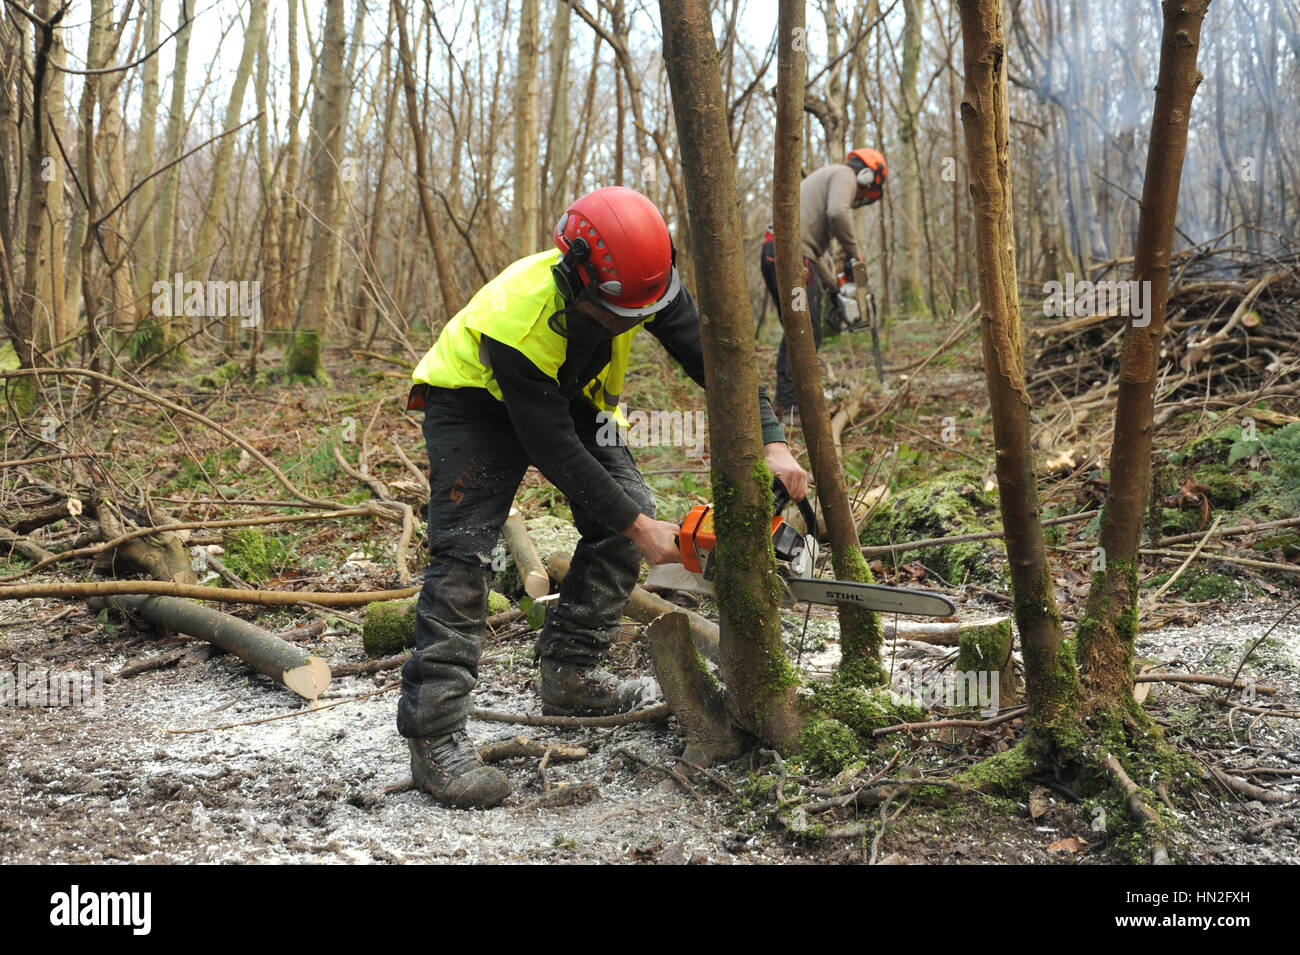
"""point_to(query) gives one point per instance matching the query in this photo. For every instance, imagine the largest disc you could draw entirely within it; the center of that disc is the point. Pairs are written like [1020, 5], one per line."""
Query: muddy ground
[122, 784]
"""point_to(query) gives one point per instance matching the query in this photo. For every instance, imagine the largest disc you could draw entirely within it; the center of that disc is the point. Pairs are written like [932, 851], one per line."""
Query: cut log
[162, 555]
[306, 675]
[390, 624]
[646, 607]
[537, 583]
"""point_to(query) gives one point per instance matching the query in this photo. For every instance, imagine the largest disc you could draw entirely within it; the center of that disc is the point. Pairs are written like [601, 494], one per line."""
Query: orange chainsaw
[796, 556]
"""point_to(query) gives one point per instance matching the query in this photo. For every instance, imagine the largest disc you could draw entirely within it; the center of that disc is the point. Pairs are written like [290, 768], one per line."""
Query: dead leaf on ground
[1040, 801]
[1070, 844]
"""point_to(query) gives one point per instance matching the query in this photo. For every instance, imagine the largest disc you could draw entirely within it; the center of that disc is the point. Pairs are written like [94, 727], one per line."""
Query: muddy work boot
[569, 689]
[449, 769]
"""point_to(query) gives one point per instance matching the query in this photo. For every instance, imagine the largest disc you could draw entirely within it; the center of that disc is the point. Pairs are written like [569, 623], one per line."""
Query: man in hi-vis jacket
[524, 374]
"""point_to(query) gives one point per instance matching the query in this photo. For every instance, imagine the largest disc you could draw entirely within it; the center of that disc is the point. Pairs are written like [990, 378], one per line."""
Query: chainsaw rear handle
[781, 497]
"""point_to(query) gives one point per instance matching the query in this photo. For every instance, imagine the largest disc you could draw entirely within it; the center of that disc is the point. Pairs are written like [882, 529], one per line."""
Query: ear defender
[568, 272]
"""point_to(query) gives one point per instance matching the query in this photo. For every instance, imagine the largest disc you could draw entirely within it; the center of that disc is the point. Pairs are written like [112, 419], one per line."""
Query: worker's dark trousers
[475, 466]
[785, 397]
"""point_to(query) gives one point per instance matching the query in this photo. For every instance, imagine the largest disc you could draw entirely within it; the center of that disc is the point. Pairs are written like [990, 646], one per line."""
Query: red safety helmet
[872, 172]
[628, 260]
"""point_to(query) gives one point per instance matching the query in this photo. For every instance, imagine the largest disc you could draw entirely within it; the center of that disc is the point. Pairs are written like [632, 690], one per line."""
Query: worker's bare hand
[656, 540]
[783, 465]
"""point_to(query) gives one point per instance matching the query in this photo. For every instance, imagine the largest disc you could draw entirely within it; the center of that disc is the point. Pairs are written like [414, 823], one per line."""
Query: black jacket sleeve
[541, 419]
[678, 329]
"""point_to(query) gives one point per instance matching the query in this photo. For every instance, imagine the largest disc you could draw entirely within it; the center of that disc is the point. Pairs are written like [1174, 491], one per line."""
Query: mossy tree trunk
[1109, 625]
[860, 631]
[1050, 677]
[760, 681]
[303, 357]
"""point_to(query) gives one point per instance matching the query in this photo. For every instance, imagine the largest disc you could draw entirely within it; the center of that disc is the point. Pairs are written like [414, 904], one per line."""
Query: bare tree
[1050, 680]
[1109, 627]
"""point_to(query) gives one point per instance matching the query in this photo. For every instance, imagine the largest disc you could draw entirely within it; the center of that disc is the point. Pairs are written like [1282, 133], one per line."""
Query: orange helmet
[616, 243]
[872, 171]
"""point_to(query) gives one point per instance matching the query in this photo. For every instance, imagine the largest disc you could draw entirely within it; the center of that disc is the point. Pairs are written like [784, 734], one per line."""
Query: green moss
[862, 709]
[861, 632]
[389, 628]
[497, 603]
[1195, 586]
[1211, 587]
[1006, 773]
[253, 555]
[302, 360]
[984, 648]
[1289, 544]
[829, 745]
[19, 393]
[225, 373]
[949, 505]
[737, 524]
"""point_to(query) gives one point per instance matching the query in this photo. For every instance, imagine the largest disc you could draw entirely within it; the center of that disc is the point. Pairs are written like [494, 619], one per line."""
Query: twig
[1152, 598]
[523, 746]
[1246, 656]
[274, 598]
[1137, 807]
[1204, 678]
[284, 716]
[945, 724]
[886, 550]
[649, 714]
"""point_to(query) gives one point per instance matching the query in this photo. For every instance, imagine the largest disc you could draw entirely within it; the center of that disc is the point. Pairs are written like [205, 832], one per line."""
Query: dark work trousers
[475, 466]
[785, 397]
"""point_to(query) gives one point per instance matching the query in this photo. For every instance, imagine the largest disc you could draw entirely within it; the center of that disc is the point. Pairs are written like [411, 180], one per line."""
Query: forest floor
[133, 782]
[190, 763]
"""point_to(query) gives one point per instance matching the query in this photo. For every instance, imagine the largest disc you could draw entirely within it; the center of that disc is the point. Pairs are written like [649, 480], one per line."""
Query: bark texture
[1050, 678]
[1109, 625]
[861, 635]
[760, 680]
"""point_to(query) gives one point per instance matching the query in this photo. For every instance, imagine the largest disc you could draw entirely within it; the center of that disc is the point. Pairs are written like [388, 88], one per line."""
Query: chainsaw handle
[781, 497]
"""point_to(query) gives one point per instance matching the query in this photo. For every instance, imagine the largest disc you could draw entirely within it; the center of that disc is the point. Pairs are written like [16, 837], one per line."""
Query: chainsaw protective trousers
[785, 396]
[476, 464]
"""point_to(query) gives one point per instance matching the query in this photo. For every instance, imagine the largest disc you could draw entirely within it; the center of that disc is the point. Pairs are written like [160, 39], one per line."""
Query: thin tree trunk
[169, 197]
[559, 151]
[150, 97]
[860, 632]
[760, 681]
[291, 215]
[215, 207]
[446, 281]
[910, 297]
[527, 94]
[1050, 679]
[1109, 626]
[304, 357]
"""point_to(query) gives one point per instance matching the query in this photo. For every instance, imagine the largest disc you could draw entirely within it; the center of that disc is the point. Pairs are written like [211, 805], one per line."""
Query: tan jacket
[826, 211]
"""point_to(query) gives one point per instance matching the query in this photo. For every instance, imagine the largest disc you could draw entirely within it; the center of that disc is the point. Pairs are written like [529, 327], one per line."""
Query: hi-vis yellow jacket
[514, 309]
